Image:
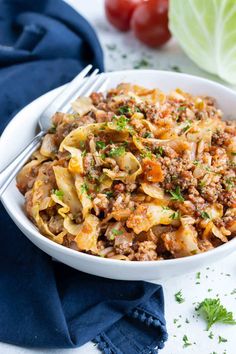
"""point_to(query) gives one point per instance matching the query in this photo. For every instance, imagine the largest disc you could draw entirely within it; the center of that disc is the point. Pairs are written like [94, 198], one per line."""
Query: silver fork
[77, 87]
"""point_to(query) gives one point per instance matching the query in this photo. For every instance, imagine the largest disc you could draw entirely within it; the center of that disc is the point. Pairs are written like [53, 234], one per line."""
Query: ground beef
[102, 116]
[64, 129]
[88, 119]
[175, 170]
[101, 203]
[56, 224]
[119, 187]
[152, 114]
[186, 179]
[146, 251]
[228, 198]
[97, 97]
[88, 162]
[220, 138]
[194, 196]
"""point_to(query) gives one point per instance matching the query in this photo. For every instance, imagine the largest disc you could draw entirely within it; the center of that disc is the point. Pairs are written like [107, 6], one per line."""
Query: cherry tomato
[119, 12]
[150, 22]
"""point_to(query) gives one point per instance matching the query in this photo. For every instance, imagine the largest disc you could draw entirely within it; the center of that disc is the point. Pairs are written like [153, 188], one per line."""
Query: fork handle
[10, 171]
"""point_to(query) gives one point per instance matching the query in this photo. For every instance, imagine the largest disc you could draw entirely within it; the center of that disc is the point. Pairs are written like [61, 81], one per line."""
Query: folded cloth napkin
[46, 304]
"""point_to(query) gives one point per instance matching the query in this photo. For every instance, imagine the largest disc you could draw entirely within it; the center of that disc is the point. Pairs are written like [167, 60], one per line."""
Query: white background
[219, 279]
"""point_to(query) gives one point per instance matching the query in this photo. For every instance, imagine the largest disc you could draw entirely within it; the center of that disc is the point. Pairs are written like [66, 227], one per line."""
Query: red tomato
[150, 22]
[119, 12]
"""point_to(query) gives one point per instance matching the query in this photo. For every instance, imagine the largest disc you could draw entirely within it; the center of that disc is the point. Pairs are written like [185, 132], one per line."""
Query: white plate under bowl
[22, 128]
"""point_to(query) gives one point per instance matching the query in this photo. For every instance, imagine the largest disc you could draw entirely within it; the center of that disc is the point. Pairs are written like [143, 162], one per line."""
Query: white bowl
[22, 128]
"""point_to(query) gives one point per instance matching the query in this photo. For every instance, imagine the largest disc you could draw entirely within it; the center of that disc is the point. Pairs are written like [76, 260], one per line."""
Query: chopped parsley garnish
[229, 183]
[109, 194]
[117, 151]
[186, 341]
[147, 135]
[84, 188]
[201, 184]
[175, 215]
[159, 151]
[53, 128]
[165, 208]
[84, 152]
[82, 144]
[187, 320]
[182, 108]
[233, 292]
[222, 340]
[176, 68]
[141, 63]
[207, 168]
[198, 275]
[176, 194]
[121, 122]
[59, 193]
[187, 126]
[179, 297]
[100, 144]
[233, 153]
[146, 154]
[205, 215]
[124, 110]
[212, 311]
[211, 335]
[196, 162]
[116, 232]
[111, 46]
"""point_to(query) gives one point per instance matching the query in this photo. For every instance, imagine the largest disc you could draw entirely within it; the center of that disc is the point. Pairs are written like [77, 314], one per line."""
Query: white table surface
[122, 51]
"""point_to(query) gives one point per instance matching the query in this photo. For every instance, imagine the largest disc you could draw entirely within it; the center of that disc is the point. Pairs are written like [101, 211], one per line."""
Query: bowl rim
[32, 229]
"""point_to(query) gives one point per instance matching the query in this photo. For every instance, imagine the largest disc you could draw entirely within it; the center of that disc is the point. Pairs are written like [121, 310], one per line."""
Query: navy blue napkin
[45, 304]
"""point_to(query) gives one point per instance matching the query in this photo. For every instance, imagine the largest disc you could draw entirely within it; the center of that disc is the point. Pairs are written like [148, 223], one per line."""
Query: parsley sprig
[121, 122]
[124, 110]
[100, 144]
[179, 297]
[175, 215]
[186, 341]
[117, 151]
[213, 311]
[109, 194]
[176, 194]
[205, 215]
[159, 151]
[84, 188]
[59, 193]
[147, 135]
[115, 232]
[222, 339]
